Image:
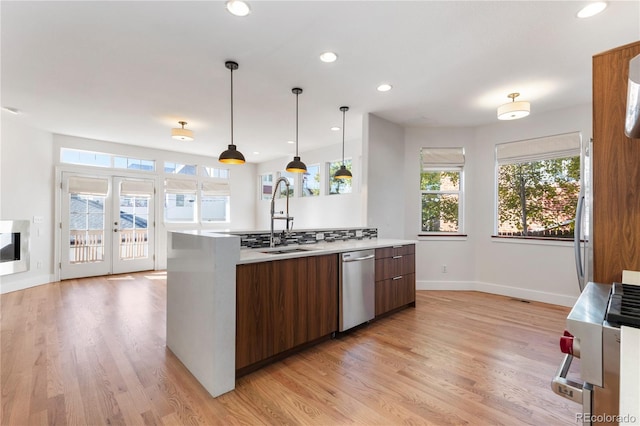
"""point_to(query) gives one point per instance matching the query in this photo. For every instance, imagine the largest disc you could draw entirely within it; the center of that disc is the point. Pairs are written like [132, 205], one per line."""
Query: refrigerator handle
[577, 239]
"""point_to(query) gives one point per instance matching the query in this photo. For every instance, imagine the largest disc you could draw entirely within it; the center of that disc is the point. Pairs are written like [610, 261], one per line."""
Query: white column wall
[384, 190]
[27, 186]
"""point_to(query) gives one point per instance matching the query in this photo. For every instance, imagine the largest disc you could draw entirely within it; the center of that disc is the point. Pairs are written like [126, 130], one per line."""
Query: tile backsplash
[308, 236]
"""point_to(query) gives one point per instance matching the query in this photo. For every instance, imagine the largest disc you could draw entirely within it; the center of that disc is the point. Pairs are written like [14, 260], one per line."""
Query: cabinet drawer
[392, 251]
[391, 267]
[394, 293]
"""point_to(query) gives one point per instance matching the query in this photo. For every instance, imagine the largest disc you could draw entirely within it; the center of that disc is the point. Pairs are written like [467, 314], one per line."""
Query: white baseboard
[15, 285]
[521, 293]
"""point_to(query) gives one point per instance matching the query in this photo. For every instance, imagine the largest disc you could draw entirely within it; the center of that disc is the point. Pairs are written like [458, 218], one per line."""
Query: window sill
[442, 237]
[533, 240]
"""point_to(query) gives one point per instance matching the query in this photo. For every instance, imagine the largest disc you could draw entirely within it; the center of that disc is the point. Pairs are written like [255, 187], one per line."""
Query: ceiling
[127, 72]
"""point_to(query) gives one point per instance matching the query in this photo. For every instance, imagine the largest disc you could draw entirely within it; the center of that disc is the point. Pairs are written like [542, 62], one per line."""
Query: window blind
[88, 186]
[136, 188]
[180, 186]
[547, 148]
[442, 158]
[215, 188]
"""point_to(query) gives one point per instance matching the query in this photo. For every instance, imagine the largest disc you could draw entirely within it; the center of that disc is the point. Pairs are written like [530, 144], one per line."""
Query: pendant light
[296, 166]
[514, 109]
[343, 173]
[181, 133]
[231, 155]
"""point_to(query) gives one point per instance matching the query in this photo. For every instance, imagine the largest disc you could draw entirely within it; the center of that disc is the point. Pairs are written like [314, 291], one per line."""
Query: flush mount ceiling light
[231, 155]
[592, 9]
[384, 87]
[296, 166]
[328, 57]
[513, 110]
[335, 128]
[238, 8]
[182, 134]
[343, 173]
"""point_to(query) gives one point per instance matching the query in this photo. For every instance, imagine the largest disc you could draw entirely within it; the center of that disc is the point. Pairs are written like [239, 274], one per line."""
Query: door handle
[565, 387]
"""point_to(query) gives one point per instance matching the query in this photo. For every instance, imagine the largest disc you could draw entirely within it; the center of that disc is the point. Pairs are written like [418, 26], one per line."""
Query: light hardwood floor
[92, 352]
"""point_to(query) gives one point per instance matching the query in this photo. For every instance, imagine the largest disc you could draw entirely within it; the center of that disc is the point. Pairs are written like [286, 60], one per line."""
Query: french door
[107, 225]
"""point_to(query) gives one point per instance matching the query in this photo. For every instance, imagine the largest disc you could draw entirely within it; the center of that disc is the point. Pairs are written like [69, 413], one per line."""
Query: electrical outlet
[444, 269]
[39, 264]
[319, 236]
[358, 233]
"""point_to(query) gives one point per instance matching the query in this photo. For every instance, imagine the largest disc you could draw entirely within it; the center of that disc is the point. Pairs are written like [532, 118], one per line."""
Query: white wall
[384, 188]
[323, 211]
[543, 271]
[456, 253]
[27, 184]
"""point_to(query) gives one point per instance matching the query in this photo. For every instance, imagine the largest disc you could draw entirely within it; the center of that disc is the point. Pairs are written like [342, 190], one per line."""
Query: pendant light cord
[297, 94]
[231, 106]
[343, 113]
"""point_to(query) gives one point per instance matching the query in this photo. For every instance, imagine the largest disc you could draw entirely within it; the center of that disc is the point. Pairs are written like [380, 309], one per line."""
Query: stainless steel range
[593, 336]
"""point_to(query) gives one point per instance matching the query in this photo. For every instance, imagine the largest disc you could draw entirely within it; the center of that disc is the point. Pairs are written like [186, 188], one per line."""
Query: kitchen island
[201, 295]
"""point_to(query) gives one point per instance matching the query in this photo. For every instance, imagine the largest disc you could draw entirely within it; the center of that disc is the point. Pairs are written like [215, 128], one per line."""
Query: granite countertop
[629, 375]
[254, 255]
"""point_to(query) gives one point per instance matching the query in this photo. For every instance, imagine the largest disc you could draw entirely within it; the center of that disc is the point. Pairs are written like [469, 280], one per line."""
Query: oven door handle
[565, 387]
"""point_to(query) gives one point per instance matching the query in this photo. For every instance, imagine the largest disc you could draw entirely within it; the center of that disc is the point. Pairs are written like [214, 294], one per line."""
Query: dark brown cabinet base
[283, 306]
[395, 278]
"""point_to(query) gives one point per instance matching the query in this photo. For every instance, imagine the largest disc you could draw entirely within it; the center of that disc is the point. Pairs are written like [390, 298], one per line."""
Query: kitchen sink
[284, 250]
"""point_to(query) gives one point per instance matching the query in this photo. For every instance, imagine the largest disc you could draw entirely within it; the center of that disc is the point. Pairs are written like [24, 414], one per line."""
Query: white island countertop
[630, 375]
[254, 255]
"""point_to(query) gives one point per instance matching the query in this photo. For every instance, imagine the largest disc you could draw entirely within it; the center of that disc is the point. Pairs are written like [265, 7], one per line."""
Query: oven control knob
[566, 345]
[569, 344]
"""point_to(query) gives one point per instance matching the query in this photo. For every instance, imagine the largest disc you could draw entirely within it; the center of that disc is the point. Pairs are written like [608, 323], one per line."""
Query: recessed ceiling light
[385, 87]
[256, 152]
[335, 128]
[238, 8]
[328, 57]
[291, 142]
[14, 111]
[592, 9]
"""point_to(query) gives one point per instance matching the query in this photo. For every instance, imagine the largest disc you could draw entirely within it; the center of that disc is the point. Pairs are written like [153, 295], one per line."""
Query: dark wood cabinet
[395, 278]
[616, 169]
[283, 304]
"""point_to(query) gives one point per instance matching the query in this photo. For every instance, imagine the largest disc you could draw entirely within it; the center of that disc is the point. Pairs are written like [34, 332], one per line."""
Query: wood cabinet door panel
[322, 281]
[253, 313]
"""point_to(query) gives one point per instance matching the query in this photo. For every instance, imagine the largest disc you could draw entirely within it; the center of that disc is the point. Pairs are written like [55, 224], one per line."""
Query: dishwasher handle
[358, 259]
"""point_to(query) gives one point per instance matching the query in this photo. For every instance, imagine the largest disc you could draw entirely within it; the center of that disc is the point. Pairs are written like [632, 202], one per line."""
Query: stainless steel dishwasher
[357, 288]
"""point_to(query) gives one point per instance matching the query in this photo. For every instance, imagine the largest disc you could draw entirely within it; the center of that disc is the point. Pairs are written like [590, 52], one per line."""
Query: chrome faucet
[273, 241]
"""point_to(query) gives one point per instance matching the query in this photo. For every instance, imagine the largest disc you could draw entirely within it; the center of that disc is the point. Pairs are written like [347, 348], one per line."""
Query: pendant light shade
[181, 133]
[343, 173]
[513, 110]
[296, 166]
[231, 155]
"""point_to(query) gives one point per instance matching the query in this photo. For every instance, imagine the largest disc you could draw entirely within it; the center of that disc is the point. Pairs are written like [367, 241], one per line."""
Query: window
[179, 169]
[99, 159]
[133, 164]
[311, 181]
[179, 200]
[266, 185]
[214, 201]
[338, 186]
[214, 172]
[441, 189]
[538, 183]
[85, 158]
[291, 178]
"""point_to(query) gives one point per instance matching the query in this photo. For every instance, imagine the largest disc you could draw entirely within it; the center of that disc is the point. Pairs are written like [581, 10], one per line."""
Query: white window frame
[447, 159]
[564, 145]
